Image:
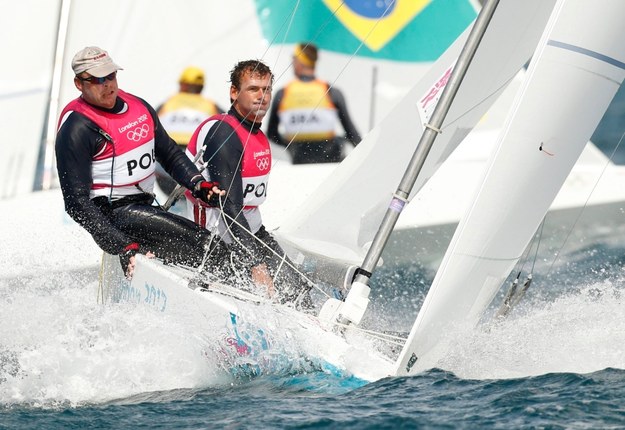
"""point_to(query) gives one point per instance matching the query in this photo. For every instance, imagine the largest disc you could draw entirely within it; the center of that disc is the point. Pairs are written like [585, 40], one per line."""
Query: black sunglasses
[98, 81]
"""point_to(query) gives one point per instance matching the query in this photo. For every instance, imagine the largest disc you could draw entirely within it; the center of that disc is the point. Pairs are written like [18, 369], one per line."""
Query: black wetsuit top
[77, 142]
[320, 151]
[223, 155]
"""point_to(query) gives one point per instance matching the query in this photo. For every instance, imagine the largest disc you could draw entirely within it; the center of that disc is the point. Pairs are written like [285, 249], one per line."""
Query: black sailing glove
[129, 251]
[203, 190]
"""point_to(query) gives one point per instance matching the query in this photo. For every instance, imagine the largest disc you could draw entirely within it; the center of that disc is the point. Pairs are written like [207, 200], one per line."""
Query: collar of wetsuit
[254, 127]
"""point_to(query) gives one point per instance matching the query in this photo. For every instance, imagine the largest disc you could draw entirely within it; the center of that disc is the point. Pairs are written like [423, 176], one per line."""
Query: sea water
[556, 362]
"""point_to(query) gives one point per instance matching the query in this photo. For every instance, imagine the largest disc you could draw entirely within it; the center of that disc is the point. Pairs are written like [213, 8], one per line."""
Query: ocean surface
[66, 362]
[557, 361]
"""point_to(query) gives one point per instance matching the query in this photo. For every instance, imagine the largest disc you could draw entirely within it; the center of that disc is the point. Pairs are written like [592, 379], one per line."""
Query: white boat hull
[257, 336]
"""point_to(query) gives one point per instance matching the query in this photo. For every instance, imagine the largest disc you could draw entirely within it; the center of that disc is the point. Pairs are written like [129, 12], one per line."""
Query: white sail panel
[345, 211]
[570, 83]
[24, 89]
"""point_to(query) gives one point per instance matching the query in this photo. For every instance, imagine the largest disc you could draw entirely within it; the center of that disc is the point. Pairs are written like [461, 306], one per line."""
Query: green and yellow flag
[399, 30]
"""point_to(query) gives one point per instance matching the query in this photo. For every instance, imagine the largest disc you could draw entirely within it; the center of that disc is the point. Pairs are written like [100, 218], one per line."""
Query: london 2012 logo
[138, 133]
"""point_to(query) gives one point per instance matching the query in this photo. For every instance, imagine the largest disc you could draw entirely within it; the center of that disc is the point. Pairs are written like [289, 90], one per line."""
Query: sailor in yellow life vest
[306, 112]
[182, 113]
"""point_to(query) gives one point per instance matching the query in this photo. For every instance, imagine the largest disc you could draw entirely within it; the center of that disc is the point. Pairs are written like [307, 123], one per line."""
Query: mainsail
[359, 191]
[571, 80]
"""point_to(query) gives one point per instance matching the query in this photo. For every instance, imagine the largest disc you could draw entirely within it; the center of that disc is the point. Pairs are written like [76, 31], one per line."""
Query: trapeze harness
[182, 114]
[255, 169]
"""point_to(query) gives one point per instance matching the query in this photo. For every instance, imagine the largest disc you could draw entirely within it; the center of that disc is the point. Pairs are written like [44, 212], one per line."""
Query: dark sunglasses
[98, 81]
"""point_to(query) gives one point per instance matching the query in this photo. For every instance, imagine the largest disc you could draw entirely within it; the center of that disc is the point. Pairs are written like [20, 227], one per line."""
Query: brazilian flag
[399, 30]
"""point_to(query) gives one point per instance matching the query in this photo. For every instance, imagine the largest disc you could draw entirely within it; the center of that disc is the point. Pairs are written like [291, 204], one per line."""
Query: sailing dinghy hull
[256, 336]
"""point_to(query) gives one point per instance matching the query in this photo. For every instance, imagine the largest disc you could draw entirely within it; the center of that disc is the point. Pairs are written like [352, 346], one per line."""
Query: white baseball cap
[95, 61]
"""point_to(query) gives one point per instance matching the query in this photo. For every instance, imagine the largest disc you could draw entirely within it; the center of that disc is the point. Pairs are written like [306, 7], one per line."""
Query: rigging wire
[516, 298]
[583, 208]
[201, 163]
[385, 337]
[540, 235]
[513, 297]
[510, 297]
[288, 22]
[282, 258]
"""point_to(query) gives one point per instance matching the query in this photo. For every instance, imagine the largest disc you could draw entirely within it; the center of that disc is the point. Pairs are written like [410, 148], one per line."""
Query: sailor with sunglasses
[107, 144]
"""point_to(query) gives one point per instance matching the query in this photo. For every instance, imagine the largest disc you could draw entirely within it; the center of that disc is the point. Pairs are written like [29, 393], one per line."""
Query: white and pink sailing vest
[127, 160]
[255, 169]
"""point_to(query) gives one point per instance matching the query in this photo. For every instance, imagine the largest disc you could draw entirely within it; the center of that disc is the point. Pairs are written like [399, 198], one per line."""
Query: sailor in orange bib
[182, 113]
[306, 113]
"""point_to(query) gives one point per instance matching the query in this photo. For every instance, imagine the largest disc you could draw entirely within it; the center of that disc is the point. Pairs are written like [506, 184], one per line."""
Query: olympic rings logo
[262, 163]
[138, 133]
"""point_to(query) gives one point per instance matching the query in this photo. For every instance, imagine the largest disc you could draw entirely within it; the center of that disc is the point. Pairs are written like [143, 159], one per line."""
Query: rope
[100, 293]
[271, 250]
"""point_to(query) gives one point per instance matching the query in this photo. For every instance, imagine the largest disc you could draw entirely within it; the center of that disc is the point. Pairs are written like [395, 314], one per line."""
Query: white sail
[358, 192]
[572, 78]
[24, 89]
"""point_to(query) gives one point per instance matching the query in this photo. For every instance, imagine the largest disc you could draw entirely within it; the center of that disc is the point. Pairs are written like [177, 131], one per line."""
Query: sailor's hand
[130, 270]
[128, 257]
[131, 264]
[262, 279]
[208, 192]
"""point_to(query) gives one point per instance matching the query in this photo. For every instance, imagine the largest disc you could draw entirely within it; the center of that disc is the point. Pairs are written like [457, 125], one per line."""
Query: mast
[374, 88]
[355, 304]
[45, 174]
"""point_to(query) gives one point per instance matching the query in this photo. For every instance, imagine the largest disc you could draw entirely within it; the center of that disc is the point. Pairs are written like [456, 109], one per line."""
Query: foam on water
[581, 331]
[39, 237]
[59, 345]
